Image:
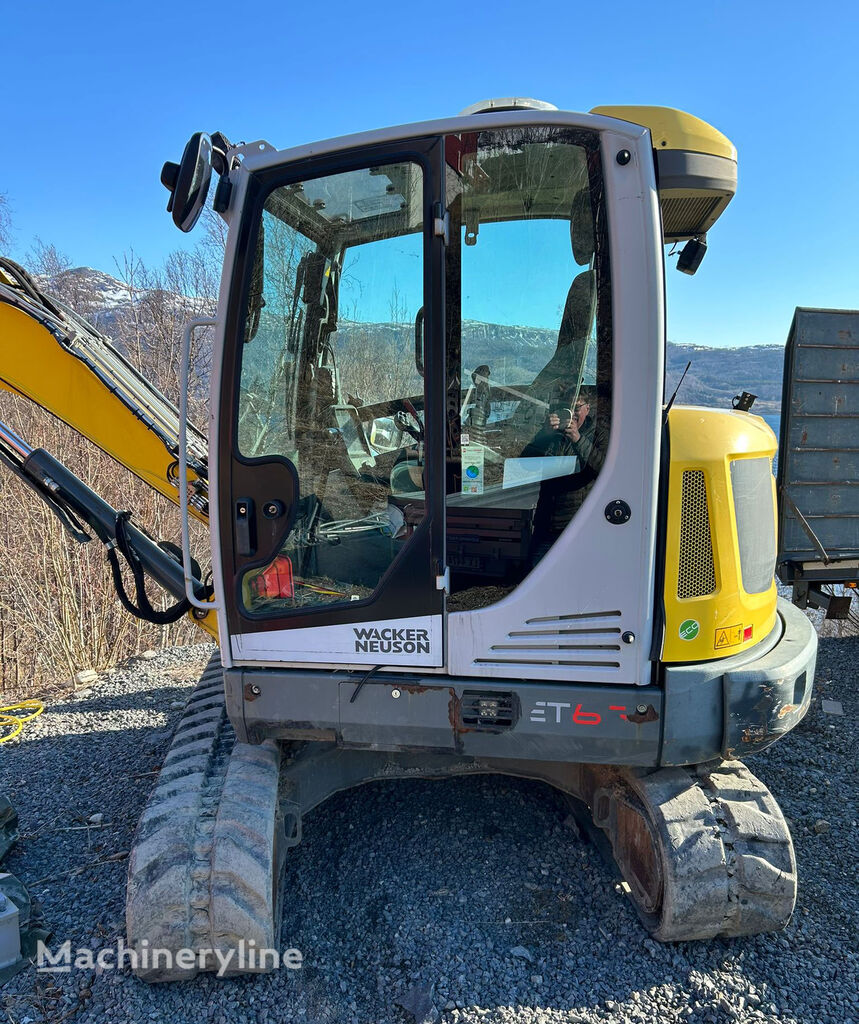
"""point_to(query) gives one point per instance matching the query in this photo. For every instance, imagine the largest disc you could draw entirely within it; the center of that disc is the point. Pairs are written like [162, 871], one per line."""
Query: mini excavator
[456, 527]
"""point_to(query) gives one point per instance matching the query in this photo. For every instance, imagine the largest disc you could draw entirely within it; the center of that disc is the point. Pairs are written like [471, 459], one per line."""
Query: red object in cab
[275, 580]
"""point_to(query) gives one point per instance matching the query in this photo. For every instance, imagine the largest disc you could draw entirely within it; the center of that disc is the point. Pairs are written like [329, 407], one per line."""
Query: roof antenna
[671, 399]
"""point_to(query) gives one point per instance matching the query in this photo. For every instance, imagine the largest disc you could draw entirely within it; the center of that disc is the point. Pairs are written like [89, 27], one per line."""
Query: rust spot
[638, 718]
[251, 692]
[636, 852]
[753, 734]
[412, 687]
[453, 708]
[804, 437]
[454, 713]
[454, 716]
[786, 710]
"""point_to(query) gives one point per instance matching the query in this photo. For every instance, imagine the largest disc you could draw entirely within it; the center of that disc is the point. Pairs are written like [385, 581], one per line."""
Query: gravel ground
[476, 892]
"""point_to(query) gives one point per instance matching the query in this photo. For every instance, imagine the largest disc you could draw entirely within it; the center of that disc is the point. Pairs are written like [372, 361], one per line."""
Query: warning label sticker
[728, 636]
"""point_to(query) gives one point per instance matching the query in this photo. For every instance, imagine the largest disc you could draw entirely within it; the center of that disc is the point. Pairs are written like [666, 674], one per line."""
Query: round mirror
[192, 181]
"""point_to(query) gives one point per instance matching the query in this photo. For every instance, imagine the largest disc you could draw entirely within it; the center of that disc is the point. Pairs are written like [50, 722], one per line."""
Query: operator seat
[562, 371]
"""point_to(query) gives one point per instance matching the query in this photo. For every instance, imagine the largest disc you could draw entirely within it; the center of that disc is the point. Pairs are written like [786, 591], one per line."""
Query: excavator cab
[345, 328]
[409, 328]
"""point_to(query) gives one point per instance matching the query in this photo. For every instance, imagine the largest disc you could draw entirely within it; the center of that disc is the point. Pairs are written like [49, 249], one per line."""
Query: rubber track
[728, 864]
[201, 871]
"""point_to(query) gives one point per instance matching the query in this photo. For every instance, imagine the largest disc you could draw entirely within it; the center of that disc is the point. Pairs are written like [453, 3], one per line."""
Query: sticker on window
[472, 469]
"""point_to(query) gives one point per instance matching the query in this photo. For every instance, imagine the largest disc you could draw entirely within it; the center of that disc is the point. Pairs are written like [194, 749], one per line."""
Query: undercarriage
[704, 850]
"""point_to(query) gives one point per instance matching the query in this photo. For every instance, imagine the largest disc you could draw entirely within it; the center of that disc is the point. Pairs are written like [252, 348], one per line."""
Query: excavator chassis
[705, 850]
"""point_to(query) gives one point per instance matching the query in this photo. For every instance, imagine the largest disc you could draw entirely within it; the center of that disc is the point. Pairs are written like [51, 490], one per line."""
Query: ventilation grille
[696, 572]
[488, 711]
[688, 215]
[574, 641]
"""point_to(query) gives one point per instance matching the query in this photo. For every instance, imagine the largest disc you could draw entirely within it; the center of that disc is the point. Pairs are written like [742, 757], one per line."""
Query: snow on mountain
[106, 291]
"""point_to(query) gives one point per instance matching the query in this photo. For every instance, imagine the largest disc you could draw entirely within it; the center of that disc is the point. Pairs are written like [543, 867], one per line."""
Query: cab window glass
[329, 379]
[528, 349]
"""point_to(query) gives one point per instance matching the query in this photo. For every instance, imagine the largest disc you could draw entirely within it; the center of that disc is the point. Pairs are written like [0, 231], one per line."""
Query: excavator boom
[61, 363]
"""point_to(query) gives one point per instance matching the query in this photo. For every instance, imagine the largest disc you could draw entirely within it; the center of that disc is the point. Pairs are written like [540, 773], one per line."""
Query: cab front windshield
[333, 364]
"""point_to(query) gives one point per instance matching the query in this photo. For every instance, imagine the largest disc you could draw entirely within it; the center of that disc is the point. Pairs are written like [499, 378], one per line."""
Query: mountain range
[715, 376]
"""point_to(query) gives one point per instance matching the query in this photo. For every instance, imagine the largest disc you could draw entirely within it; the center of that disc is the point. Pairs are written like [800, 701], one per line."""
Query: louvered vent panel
[579, 640]
[684, 216]
[697, 573]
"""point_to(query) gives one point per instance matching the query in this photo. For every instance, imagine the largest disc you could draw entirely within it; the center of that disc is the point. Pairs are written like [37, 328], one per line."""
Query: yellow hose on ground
[12, 718]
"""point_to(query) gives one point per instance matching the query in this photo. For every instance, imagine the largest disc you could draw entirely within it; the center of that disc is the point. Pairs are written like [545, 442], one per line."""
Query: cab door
[555, 342]
[331, 469]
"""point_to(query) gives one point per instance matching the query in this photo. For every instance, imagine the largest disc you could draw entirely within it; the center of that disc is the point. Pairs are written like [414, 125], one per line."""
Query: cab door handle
[419, 341]
[245, 520]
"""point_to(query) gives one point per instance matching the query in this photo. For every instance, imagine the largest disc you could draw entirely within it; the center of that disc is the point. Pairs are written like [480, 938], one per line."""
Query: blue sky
[99, 95]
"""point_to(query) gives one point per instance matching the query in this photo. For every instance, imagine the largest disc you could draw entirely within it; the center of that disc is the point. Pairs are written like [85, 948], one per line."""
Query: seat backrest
[560, 376]
[579, 310]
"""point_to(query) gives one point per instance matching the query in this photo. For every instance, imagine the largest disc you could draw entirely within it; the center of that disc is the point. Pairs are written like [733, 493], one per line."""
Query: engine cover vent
[488, 710]
[696, 575]
[578, 640]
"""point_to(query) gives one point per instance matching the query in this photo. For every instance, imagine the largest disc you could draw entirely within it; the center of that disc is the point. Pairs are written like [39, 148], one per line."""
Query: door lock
[273, 509]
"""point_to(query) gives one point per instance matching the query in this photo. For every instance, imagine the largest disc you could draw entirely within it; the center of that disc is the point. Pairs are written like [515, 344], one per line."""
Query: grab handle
[184, 374]
[419, 341]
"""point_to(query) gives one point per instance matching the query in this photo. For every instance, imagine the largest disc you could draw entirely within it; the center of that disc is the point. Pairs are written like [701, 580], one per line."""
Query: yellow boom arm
[58, 361]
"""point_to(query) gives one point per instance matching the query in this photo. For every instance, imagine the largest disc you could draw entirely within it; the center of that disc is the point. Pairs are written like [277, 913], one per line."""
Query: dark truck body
[818, 464]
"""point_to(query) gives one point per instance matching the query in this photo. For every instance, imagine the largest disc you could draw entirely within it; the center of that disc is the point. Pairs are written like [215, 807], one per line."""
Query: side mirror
[188, 181]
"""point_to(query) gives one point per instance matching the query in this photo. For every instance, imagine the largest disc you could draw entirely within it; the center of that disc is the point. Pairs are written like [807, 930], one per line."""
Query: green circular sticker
[689, 629]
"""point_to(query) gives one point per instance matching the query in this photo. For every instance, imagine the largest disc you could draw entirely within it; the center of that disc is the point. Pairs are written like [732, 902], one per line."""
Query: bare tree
[148, 327]
[214, 240]
[61, 279]
[5, 222]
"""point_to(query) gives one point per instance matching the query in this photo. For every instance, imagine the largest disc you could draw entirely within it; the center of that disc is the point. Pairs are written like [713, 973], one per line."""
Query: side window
[329, 379]
[529, 350]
